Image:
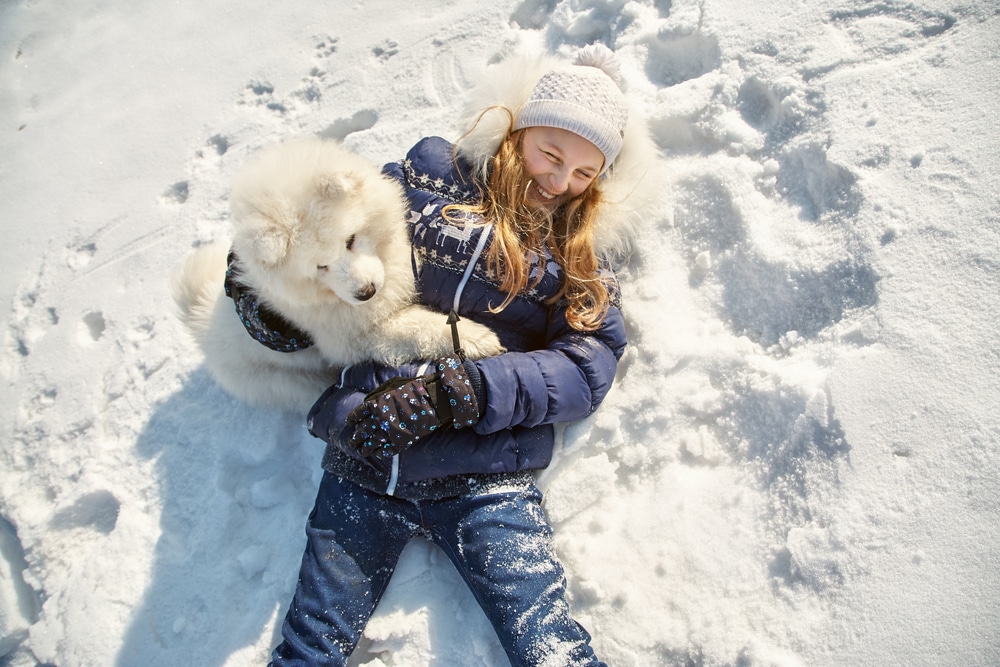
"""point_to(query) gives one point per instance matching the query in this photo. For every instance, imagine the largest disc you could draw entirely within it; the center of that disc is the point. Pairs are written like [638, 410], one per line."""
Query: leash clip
[456, 342]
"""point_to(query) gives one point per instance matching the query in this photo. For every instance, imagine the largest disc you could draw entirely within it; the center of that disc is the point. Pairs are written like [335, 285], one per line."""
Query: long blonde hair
[522, 232]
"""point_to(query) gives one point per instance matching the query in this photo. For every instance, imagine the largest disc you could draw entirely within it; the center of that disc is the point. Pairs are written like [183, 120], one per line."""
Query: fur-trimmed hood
[631, 186]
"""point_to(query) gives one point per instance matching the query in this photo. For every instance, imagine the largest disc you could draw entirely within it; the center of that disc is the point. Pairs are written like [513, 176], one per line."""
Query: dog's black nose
[365, 293]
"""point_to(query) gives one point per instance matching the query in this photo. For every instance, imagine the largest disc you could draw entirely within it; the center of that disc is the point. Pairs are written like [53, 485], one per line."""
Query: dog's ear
[338, 184]
[265, 229]
[271, 244]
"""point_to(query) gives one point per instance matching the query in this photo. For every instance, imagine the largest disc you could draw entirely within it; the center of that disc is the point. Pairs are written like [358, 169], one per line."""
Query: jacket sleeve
[564, 382]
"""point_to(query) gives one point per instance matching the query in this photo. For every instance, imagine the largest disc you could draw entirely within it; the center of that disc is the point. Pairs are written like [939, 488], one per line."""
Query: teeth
[544, 194]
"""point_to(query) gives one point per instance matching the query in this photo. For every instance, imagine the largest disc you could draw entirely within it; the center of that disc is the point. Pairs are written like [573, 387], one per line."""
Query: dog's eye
[350, 241]
[323, 267]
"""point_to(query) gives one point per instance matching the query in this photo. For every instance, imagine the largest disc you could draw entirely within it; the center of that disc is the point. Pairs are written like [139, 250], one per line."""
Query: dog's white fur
[321, 237]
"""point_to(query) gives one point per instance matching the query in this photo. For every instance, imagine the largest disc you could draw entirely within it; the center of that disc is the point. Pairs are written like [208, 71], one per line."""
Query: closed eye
[323, 267]
[350, 241]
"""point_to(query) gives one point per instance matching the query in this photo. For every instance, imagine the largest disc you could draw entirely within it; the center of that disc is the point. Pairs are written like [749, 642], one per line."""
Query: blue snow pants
[501, 544]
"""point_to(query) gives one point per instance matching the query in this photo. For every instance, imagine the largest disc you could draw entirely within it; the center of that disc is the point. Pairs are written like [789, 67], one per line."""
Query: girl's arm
[564, 382]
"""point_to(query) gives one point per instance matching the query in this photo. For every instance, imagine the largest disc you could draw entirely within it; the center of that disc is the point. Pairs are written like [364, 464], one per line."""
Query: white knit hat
[584, 98]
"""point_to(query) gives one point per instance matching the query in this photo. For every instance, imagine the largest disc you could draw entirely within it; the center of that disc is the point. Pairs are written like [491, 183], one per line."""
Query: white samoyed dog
[319, 237]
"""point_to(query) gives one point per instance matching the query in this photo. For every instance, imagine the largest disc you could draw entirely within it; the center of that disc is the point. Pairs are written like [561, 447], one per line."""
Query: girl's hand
[397, 414]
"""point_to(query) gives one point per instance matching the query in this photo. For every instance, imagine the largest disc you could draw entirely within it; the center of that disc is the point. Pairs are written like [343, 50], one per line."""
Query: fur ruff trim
[632, 187]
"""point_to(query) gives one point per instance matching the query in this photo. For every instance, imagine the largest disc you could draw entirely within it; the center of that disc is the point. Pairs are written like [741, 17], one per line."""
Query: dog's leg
[416, 332]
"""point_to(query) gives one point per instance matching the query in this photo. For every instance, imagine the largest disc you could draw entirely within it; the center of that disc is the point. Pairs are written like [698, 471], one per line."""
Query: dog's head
[316, 223]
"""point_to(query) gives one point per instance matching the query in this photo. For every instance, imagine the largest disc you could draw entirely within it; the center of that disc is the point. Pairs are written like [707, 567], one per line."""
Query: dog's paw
[478, 340]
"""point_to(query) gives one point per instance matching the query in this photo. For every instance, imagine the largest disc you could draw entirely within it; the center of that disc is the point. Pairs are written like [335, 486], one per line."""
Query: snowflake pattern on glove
[402, 411]
[461, 397]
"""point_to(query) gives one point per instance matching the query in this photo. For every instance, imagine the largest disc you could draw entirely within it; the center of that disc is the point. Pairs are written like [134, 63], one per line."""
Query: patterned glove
[397, 414]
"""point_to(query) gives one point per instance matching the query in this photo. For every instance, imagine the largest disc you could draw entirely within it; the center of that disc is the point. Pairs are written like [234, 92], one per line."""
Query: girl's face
[561, 164]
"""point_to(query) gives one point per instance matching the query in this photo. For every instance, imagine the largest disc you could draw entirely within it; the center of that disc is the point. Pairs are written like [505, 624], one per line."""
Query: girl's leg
[502, 546]
[354, 539]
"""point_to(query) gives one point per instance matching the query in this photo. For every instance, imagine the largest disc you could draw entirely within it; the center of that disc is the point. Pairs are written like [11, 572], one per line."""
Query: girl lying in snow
[513, 228]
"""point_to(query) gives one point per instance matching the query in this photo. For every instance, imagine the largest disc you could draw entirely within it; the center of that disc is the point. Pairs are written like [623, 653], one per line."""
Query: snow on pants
[501, 544]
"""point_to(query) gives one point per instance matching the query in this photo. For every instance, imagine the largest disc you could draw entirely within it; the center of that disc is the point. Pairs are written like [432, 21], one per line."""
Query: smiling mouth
[544, 194]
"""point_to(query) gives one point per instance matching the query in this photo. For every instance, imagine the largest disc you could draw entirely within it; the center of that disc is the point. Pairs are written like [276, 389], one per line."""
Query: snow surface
[799, 463]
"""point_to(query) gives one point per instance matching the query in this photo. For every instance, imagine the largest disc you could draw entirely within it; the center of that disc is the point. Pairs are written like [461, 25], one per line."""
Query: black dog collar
[265, 325]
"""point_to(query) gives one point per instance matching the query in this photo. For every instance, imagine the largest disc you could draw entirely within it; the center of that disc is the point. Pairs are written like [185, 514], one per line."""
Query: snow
[798, 465]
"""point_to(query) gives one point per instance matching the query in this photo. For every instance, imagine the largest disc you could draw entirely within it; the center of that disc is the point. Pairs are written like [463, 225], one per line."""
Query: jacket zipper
[480, 246]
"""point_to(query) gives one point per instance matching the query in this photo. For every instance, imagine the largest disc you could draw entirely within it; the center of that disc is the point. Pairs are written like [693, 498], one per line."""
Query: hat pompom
[601, 57]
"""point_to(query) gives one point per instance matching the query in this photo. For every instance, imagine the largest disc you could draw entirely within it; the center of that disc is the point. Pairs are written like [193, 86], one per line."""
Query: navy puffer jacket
[551, 373]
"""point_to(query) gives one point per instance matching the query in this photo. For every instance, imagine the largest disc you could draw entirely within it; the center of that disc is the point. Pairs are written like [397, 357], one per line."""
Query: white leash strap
[480, 245]
[469, 268]
[390, 488]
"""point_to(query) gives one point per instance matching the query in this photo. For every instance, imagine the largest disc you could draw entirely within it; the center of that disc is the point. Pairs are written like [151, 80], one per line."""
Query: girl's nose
[559, 181]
